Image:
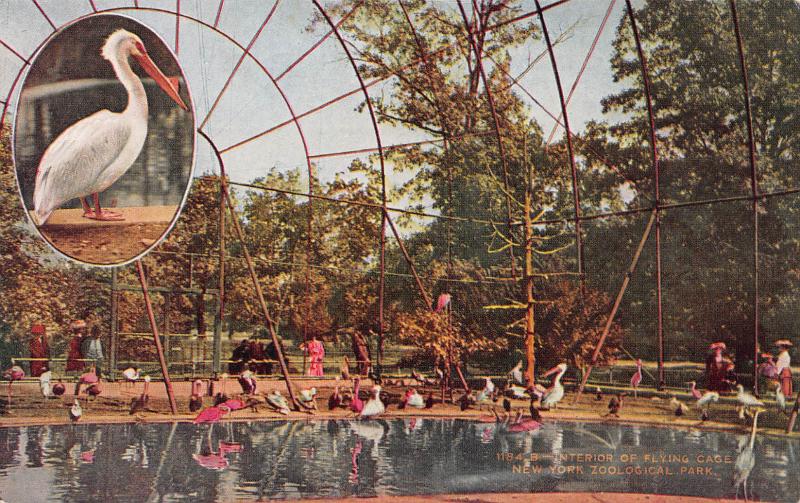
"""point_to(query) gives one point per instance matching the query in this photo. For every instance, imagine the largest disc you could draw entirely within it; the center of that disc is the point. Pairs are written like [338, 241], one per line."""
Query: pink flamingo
[213, 461]
[88, 456]
[356, 404]
[354, 452]
[636, 379]
[695, 392]
[15, 373]
[89, 378]
[211, 414]
[234, 404]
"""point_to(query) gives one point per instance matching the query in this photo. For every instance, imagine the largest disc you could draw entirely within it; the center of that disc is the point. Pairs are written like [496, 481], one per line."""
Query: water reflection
[265, 460]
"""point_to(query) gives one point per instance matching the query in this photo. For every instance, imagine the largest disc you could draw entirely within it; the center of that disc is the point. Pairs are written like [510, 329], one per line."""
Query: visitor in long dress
[783, 367]
[38, 349]
[717, 368]
[258, 356]
[316, 353]
[75, 354]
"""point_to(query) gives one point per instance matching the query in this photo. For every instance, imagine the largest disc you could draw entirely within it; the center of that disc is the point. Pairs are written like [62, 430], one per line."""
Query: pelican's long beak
[163, 82]
[552, 371]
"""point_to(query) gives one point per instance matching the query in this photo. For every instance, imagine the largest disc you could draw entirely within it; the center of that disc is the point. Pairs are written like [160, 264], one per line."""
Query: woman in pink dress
[316, 352]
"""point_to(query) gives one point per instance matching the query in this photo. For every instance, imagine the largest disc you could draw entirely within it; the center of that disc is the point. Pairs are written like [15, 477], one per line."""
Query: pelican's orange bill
[162, 80]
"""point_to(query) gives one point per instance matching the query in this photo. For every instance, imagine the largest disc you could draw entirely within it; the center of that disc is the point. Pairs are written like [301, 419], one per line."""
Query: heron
[746, 459]
[90, 155]
[747, 399]
[704, 403]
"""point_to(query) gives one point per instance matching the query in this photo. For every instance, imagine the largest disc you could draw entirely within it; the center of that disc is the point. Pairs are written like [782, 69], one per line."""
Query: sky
[252, 103]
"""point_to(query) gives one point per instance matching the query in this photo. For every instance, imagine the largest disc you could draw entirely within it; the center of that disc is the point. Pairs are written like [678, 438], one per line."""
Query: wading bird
[705, 401]
[44, 384]
[211, 414]
[695, 392]
[131, 375]
[746, 459]
[278, 402]
[636, 378]
[335, 400]
[515, 375]
[92, 154]
[356, 404]
[746, 399]
[556, 391]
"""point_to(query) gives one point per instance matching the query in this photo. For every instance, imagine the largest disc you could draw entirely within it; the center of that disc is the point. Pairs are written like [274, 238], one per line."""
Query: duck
[556, 391]
[131, 375]
[278, 402]
[487, 393]
[615, 405]
[374, 406]
[59, 388]
[308, 397]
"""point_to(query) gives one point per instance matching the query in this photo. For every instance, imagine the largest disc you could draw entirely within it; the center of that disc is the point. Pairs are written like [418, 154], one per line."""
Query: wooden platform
[134, 215]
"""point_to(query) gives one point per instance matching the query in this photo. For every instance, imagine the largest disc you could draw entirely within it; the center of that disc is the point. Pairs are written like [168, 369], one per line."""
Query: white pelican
[374, 405]
[556, 391]
[414, 399]
[276, 400]
[746, 399]
[89, 156]
[516, 374]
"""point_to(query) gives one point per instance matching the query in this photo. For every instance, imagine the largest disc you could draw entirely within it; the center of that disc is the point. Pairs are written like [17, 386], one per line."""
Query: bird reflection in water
[354, 452]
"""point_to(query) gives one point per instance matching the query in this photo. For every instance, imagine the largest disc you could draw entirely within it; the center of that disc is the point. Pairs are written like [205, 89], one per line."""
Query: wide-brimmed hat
[784, 342]
[78, 324]
[37, 329]
[766, 355]
[718, 345]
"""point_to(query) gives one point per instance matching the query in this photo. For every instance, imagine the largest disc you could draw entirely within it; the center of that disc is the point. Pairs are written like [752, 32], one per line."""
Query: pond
[266, 460]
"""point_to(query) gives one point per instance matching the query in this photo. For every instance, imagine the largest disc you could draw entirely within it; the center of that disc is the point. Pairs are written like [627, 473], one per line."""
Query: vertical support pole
[154, 327]
[112, 361]
[617, 302]
[754, 188]
[221, 296]
[657, 184]
[576, 198]
[529, 312]
[167, 328]
[216, 345]
[381, 288]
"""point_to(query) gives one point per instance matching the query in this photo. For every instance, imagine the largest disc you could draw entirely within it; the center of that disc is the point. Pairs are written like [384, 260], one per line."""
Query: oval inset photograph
[104, 140]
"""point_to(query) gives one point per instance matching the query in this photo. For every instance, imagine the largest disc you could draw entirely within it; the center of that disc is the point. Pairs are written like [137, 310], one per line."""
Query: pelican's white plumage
[707, 398]
[89, 156]
[556, 391]
[747, 399]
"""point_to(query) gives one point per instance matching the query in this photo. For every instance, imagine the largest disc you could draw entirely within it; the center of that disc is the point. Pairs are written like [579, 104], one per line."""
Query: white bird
[415, 400]
[746, 399]
[374, 405]
[75, 412]
[516, 374]
[485, 395]
[92, 154]
[746, 460]
[704, 403]
[780, 399]
[44, 384]
[308, 396]
[556, 391]
[279, 402]
[131, 375]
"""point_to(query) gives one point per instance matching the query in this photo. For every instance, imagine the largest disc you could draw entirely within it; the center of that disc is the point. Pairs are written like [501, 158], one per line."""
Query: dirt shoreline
[595, 497]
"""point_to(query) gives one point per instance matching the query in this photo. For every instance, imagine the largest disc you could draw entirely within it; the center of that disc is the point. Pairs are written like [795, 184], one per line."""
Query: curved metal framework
[380, 149]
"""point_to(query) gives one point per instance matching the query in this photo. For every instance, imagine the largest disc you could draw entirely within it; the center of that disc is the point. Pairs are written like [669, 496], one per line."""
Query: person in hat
[38, 349]
[717, 368]
[783, 366]
[239, 357]
[75, 355]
